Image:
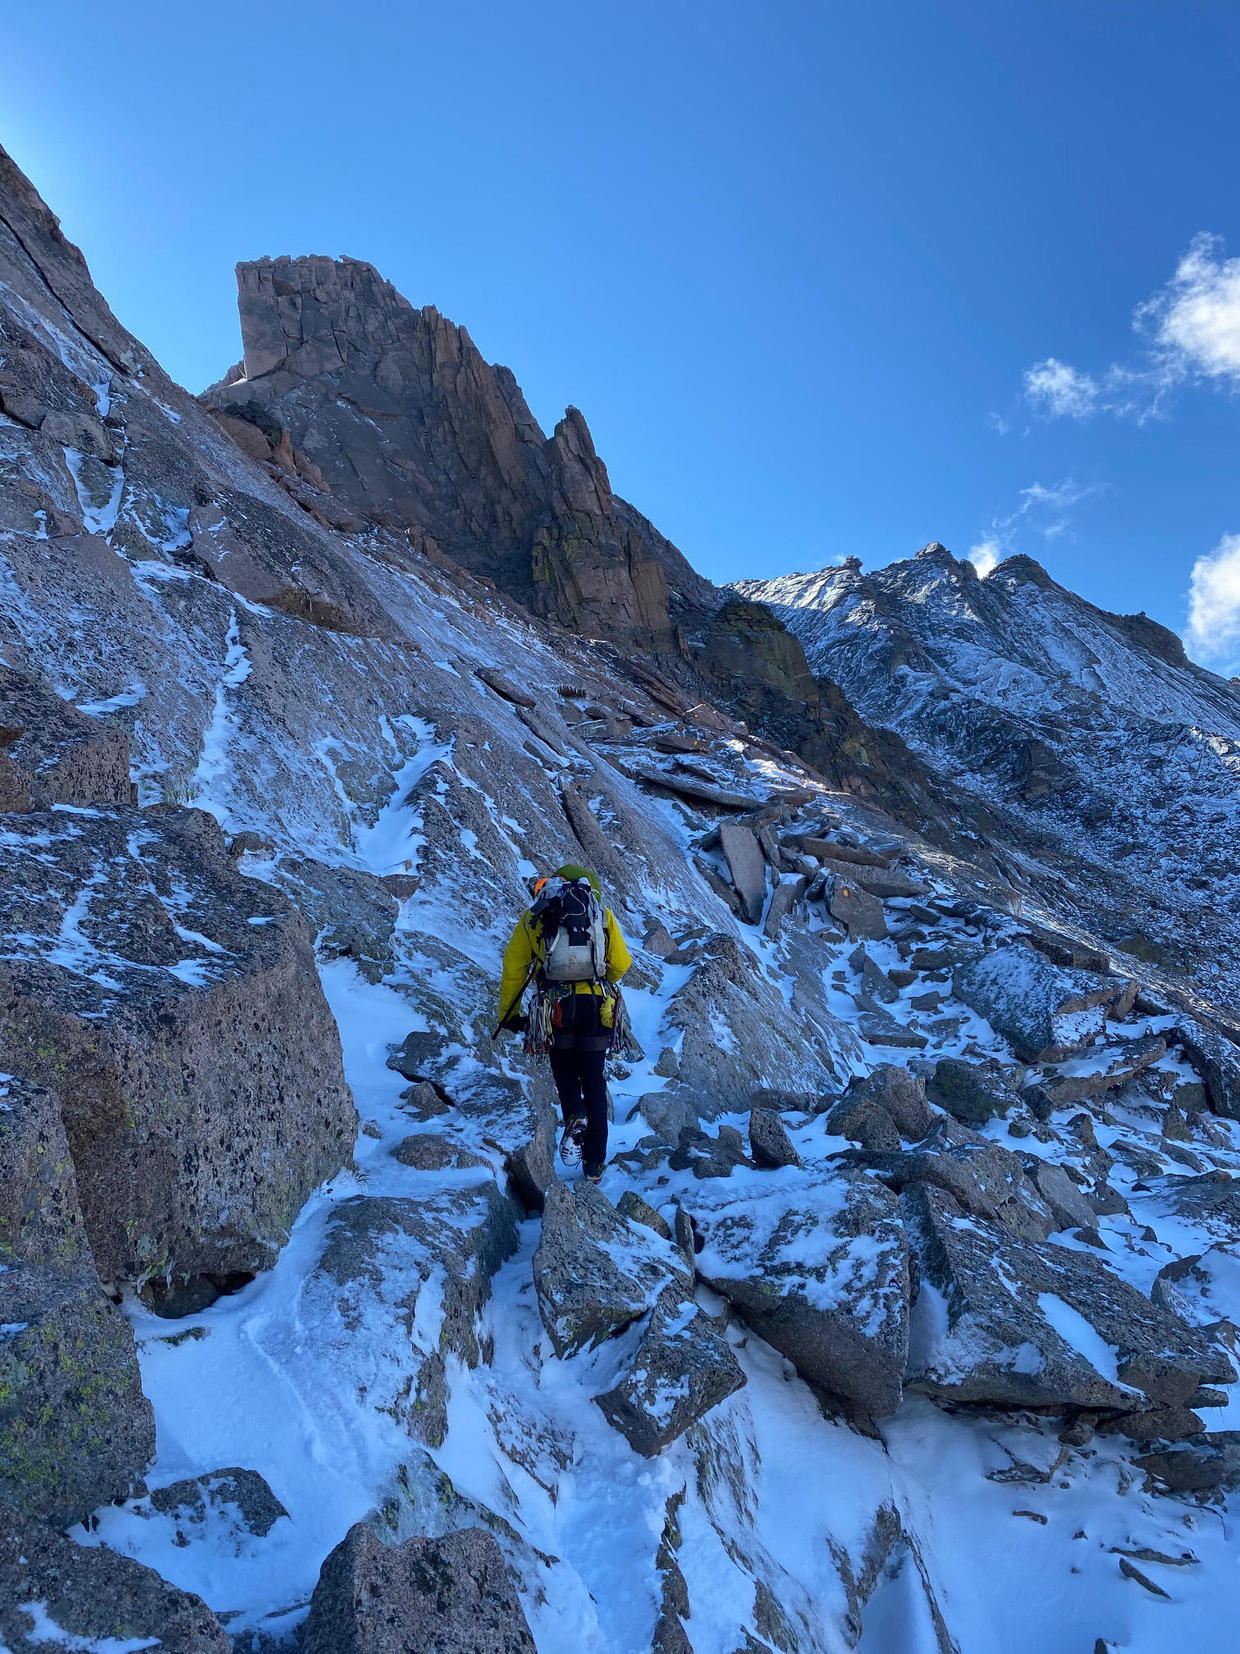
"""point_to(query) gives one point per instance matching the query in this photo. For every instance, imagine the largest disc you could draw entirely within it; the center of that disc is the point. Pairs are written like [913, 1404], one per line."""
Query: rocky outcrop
[818, 1266]
[397, 413]
[175, 1007]
[75, 1429]
[595, 1272]
[682, 1367]
[1101, 758]
[50, 753]
[54, 1594]
[1006, 1323]
[453, 1595]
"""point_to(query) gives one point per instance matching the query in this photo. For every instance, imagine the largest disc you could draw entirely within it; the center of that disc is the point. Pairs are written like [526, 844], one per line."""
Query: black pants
[580, 1081]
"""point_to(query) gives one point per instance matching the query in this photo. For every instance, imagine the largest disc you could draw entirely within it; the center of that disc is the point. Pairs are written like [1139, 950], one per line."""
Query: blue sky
[802, 266]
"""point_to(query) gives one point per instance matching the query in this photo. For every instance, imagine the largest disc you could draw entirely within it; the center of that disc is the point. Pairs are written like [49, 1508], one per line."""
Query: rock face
[176, 1008]
[1005, 1323]
[398, 413]
[75, 1429]
[54, 1594]
[452, 1595]
[50, 753]
[682, 1367]
[818, 1266]
[1046, 1011]
[732, 1022]
[594, 1272]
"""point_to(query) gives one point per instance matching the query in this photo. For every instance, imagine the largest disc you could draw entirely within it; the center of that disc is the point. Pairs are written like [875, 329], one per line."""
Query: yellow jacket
[525, 951]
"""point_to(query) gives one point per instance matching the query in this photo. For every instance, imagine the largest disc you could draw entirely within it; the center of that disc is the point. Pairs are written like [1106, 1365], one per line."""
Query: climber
[570, 946]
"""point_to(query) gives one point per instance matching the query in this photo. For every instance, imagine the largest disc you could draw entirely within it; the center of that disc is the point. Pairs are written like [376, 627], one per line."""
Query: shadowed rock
[88, 1596]
[769, 1142]
[197, 1062]
[50, 753]
[900, 1094]
[75, 1429]
[451, 1595]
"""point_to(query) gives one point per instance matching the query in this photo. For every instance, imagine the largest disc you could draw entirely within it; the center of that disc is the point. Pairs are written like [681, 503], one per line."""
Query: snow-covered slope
[1116, 757]
[913, 1271]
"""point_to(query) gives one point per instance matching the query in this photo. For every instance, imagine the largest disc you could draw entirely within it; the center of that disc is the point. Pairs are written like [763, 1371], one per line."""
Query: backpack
[573, 925]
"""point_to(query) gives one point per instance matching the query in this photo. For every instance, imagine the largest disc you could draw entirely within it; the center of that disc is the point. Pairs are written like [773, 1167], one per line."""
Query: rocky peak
[398, 413]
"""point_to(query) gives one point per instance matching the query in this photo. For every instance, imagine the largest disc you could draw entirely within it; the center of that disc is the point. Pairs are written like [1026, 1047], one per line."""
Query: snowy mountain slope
[397, 748]
[1116, 758]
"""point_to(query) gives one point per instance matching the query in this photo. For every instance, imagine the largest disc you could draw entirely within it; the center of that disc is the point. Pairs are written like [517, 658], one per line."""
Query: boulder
[746, 868]
[390, 1247]
[1009, 1323]
[398, 1288]
[860, 913]
[817, 1264]
[594, 1272]
[883, 882]
[1204, 1464]
[682, 1367]
[452, 1595]
[242, 1498]
[55, 1594]
[900, 1094]
[987, 1180]
[855, 855]
[787, 893]
[1046, 1011]
[1068, 1205]
[75, 1428]
[176, 1007]
[864, 1122]
[972, 1092]
[769, 1142]
[874, 980]
[708, 1156]
[634, 1209]
[50, 753]
[734, 1028]
[430, 1151]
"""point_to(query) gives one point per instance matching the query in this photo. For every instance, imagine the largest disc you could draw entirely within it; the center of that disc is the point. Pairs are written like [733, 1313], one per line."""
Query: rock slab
[818, 1265]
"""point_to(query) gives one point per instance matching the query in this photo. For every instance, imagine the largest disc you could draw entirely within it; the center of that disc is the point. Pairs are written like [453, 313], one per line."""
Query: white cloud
[985, 554]
[1043, 507]
[1193, 328]
[1213, 630]
[1198, 313]
[1054, 388]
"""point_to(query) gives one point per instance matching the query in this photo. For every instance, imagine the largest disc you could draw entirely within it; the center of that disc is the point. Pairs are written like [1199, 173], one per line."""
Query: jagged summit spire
[407, 423]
